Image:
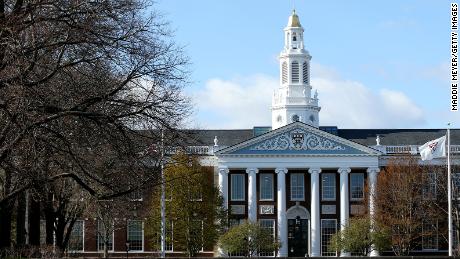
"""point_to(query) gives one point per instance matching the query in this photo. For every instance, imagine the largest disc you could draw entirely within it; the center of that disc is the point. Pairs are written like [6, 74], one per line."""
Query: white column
[372, 176]
[252, 194]
[315, 213]
[281, 211]
[344, 201]
[223, 184]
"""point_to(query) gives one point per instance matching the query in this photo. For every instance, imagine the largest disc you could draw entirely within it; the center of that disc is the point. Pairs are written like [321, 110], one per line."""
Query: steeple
[293, 101]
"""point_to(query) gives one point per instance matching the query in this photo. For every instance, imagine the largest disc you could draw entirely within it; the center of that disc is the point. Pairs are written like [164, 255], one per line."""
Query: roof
[395, 137]
[365, 137]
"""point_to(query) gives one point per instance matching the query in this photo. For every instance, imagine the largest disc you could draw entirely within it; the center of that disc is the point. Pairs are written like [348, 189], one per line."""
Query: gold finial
[294, 20]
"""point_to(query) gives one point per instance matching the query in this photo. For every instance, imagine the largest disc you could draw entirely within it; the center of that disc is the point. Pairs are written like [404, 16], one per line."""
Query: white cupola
[292, 101]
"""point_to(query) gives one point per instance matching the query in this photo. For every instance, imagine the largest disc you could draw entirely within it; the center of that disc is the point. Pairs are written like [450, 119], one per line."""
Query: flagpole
[163, 198]
[449, 192]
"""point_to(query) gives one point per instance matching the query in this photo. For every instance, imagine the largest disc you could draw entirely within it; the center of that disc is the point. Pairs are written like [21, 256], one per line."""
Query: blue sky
[375, 64]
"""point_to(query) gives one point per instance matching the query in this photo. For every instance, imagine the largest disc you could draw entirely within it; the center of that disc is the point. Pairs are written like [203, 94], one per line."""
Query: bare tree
[403, 203]
[78, 79]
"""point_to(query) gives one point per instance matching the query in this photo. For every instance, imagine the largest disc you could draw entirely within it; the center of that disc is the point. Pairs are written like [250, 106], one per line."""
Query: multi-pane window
[104, 233]
[195, 194]
[234, 223]
[237, 187]
[266, 186]
[297, 187]
[430, 235]
[357, 186]
[328, 187]
[456, 186]
[328, 228]
[136, 195]
[135, 235]
[284, 76]
[196, 231]
[429, 190]
[169, 244]
[305, 74]
[76, 236]
[295, 72]
[268, 224]
[42, 232]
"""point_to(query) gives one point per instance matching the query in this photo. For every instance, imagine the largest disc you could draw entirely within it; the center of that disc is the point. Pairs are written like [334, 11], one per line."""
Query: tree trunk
[34, 222]
[106, 250]
[5, 216]
[21, 220]
[50, 218]
[5, 225]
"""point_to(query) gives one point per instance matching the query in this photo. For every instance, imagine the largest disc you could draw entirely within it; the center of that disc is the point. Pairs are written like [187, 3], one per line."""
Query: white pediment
[298, 139]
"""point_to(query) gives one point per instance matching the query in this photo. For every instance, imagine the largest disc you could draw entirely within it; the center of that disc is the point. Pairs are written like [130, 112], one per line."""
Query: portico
[312, 169]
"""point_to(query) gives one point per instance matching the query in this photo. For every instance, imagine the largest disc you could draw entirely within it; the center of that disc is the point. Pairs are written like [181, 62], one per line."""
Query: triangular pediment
[298, 139]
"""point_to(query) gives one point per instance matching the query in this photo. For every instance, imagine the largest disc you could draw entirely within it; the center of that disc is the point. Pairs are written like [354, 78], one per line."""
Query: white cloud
[245, 102]
[237, 103]
[350, 104]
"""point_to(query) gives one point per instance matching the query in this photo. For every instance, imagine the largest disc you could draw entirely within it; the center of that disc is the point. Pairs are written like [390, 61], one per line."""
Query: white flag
[433, 149]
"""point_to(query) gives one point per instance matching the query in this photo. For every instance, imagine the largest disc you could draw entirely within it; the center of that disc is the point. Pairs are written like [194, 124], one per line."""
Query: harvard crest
[297, 139]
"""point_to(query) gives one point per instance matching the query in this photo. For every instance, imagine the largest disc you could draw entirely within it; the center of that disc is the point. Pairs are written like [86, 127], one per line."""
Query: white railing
[409, 149]
[194, 150]
[403, 149]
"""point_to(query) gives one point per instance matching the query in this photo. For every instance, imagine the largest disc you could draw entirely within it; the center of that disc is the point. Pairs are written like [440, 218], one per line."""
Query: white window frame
[127, 235]
[351, 187]
[321, 237]
[97, 237]
[137, 192]
[243, 187]
[427, 190]
[456, 188]
[437, 237]
[323, 185]
[83, 237]
[303, 187]
[273, 222]
[261, 179]
[171, 223]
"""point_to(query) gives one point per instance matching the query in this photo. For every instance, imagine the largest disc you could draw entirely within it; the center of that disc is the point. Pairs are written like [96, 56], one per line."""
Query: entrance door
[297, 237]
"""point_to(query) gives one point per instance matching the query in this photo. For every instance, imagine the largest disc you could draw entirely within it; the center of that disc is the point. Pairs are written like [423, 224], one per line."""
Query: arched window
[294, 36]
[305, 73]
[284, 73]
[295, 72]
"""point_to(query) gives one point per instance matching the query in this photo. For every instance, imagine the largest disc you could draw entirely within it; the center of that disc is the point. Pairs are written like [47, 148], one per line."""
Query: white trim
[272, 187]
[273, 221]
[437, 237]
[351, 189]
[83, 238]
[322, 187]
[321, 237]
[303, 187]
[127, 235]
[369, 151]
[231, 185]
[97, 237]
